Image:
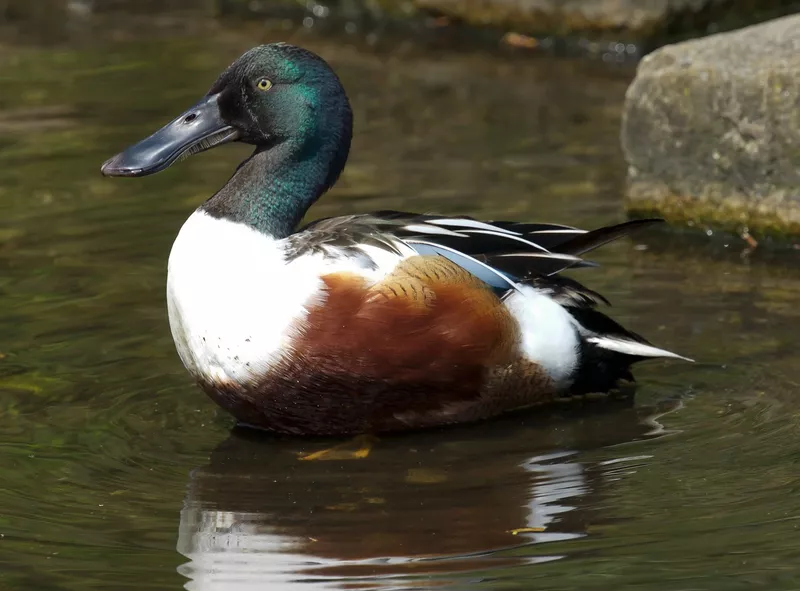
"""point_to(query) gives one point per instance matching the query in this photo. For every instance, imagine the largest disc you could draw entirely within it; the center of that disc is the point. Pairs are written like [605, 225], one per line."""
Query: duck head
[274, 96]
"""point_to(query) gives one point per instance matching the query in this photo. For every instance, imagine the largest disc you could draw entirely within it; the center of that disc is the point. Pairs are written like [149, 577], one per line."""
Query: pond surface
[118, 473]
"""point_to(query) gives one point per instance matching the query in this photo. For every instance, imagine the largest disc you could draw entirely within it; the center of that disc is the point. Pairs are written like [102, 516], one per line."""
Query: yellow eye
[264, 84]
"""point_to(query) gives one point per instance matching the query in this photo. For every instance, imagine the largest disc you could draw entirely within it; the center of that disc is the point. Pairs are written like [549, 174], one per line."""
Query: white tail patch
[628, 347]
[549, 337]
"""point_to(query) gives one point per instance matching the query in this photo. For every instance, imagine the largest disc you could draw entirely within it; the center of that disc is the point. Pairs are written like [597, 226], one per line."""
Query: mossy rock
[711, 130]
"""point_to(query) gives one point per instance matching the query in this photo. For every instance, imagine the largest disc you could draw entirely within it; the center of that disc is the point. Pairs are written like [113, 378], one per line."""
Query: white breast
[233, 299]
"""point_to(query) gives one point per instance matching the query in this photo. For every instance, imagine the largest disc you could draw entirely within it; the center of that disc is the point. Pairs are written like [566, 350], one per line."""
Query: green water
[118, 473]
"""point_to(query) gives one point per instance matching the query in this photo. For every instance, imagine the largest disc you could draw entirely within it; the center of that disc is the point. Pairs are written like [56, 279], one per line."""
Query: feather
[601, 331]
[482, 271]
[567, 292]
[500, 253]
[596, 238]
[632, 348]
[428, 229]
[529, 227]
[527, 264]
[469, 223]
[505, 236]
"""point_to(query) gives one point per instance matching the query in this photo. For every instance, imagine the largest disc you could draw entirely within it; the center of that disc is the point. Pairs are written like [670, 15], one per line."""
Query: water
[118, 473]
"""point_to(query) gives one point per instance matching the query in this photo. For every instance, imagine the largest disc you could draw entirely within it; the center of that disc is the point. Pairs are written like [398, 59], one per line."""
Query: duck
[369, 323]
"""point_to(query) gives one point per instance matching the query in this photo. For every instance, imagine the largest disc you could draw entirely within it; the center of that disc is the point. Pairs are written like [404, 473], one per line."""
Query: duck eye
[264, 84]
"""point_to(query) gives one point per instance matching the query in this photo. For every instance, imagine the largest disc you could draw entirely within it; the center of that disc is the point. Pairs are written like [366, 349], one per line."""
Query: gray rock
[711, 130]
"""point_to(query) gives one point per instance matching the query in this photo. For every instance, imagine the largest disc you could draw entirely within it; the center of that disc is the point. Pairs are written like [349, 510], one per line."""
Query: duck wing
[499, 252]
[467, 242]
[508, 256]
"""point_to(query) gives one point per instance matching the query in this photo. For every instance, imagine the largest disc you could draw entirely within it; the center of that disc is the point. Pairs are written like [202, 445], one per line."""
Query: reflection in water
[557, 483]
[460, 501]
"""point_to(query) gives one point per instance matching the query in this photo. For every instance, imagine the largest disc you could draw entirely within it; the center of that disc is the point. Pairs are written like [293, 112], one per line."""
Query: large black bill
[196, 130]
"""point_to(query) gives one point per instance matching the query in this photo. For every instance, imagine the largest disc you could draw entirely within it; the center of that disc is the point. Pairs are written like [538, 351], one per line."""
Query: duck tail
[607, 351]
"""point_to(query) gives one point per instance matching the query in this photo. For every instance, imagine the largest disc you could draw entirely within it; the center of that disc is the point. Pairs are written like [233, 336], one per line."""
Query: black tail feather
[578, 245]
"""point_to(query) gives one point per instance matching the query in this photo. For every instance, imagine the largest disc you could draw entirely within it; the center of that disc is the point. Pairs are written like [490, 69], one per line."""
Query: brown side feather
[430, 344]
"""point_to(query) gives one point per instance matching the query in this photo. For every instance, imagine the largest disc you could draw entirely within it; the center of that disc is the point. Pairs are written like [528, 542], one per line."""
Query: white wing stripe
[464, 223]
[508, 236]
[561, 231]
[427, 229]
[545, 255]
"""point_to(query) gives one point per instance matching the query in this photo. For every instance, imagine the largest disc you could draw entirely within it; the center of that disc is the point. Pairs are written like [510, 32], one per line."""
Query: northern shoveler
[363, 323]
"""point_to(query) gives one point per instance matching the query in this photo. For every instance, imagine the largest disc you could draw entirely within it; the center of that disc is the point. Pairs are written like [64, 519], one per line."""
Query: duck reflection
[275, 513]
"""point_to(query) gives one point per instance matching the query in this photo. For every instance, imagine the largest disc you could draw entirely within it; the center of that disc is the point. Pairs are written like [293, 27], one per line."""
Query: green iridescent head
[273, 95]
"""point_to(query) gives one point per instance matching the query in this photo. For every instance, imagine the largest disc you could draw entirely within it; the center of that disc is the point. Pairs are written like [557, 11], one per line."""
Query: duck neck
[272, 190]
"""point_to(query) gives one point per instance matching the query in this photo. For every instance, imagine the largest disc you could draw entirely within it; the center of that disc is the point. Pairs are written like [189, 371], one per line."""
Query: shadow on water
[465, 504]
